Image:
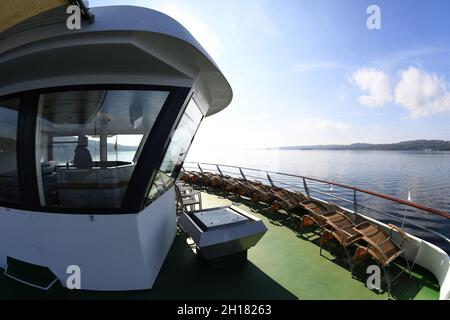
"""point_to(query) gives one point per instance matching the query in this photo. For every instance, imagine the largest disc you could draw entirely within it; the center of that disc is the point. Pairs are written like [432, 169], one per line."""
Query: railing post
[305, 186]
[242, 174]
[200, 168]
[270, 180]
[355, 202]
[218, 169]
[331, 192]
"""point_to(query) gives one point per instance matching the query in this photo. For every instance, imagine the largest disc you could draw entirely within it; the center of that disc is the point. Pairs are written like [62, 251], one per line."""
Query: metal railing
[325, 188]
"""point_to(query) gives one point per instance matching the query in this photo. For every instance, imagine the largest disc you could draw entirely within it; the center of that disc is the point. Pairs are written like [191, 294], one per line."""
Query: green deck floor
[281, 266]
[296, 265]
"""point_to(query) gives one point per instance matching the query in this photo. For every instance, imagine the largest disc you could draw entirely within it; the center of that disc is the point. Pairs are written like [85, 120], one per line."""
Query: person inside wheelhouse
[83, 158]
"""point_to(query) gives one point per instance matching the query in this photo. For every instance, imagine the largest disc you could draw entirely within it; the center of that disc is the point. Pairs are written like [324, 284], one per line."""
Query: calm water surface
[426, 174]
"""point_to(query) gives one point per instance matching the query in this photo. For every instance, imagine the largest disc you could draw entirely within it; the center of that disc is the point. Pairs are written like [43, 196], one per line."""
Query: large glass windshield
[9, 181]
[177, 150]
[88, 142]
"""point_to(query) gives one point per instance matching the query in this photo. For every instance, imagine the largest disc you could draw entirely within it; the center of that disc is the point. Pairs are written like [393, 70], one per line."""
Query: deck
[282, 266]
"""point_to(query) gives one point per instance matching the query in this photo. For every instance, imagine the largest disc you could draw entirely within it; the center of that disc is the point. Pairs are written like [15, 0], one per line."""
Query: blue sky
[311, 72]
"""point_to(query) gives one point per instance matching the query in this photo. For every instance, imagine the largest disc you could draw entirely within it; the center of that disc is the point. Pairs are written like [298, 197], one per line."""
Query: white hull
[422, 253]
[114, 252]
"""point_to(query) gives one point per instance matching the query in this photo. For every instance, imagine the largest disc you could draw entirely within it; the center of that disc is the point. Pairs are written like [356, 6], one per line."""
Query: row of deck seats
[366, 238]
[277, 198]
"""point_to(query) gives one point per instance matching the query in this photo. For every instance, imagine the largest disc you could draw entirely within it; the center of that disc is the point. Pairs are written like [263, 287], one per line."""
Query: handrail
[354, 188]
[386, 197]
[265, 176]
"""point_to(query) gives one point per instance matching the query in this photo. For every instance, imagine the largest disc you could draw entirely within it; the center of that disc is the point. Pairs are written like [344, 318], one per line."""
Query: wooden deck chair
[245, 188]
[229, 184]
[277, 198]
[217, 181]
[288, 201]
[236, 186]
[379, 244]
[192, 177]
[185, 176]
[315, 214]
[262, 193]
[340, 227]
[209, 179]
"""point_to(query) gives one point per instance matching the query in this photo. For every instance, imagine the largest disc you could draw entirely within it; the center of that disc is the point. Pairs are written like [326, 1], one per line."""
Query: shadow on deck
[421, 285]
[183, 276]
[282, 265]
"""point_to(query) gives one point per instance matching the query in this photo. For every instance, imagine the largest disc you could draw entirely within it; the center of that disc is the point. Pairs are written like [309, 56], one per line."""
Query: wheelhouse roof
[125, 45]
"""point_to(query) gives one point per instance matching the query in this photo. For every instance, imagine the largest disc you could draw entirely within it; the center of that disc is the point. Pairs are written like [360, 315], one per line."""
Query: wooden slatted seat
[316, 213]
[379, 244]
[339, 227]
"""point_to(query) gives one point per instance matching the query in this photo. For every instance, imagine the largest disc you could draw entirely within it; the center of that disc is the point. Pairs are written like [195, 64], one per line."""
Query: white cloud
[376, 83]
[421, 93]
[323, 124]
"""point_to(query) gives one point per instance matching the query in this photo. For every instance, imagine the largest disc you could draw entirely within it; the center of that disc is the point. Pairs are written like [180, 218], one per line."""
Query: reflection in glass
[177, 150]
[88, 142]
[9, 181]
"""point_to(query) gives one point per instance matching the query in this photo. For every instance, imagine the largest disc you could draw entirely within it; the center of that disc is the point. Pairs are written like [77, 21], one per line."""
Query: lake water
[126, 156]
[426, 174]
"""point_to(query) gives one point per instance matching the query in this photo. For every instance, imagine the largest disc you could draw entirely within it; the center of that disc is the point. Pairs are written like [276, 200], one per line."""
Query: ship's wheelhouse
[94, 127]
[90, 147]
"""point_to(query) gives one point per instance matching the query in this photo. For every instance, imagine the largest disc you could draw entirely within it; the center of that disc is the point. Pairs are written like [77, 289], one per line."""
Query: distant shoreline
[413, 145]
[306, 149]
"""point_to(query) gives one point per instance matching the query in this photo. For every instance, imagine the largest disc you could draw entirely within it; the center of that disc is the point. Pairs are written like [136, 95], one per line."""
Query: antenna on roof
[84, 9]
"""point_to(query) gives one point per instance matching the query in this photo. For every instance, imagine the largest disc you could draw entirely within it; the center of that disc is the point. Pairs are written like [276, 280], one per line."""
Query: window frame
[19, 178]
[158, 139]
[175, 174]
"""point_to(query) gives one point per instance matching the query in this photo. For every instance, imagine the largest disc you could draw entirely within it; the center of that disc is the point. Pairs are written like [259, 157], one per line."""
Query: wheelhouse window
[88, 142]
[177, 151]
[9, 181]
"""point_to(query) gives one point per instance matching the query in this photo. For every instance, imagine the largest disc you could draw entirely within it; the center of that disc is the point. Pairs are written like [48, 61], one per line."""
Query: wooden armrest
[352, 239]
[347, 233]
[362, 223]
[380, 244]
[395, 256]
[328, 212]
[399, 230]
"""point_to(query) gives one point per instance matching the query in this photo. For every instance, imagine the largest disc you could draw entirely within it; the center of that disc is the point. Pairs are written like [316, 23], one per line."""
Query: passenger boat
[67, 100]
[132, 79]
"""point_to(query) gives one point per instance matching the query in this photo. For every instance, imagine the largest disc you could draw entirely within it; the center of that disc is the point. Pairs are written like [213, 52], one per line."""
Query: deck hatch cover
[30, 274]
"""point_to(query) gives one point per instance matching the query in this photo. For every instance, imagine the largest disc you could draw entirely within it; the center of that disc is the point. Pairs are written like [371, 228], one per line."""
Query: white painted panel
[114, 252]
[157, 230]
[437, 261]
[17, 237]
[107, 249]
